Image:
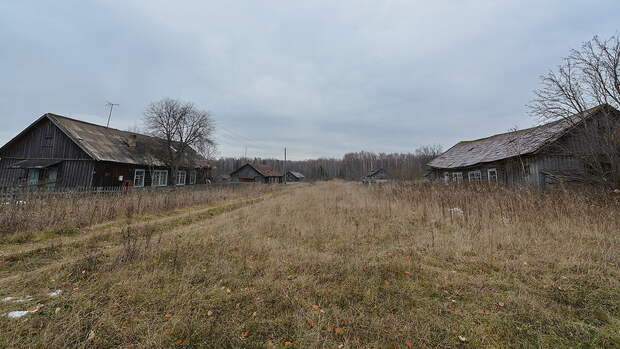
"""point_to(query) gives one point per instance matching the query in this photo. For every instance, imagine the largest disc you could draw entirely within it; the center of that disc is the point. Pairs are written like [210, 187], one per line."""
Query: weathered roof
[507, 145]
[372, 173]
[297, 174]
[265, 171]
[109, 144]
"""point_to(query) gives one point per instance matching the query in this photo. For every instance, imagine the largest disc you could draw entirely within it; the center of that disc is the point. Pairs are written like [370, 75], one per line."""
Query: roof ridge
[101, 126]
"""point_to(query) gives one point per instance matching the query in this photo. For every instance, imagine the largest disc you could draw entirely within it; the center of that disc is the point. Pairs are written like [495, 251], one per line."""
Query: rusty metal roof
[507, 145]
[265, 171]
[109, 144]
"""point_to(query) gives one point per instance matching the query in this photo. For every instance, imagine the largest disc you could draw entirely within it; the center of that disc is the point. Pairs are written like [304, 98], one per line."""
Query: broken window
[492, 174]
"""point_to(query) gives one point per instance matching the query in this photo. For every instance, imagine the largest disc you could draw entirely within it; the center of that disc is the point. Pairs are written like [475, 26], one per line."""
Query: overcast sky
[320, 77]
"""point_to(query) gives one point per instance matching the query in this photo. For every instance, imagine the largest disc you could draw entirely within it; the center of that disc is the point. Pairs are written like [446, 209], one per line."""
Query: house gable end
[43, 139]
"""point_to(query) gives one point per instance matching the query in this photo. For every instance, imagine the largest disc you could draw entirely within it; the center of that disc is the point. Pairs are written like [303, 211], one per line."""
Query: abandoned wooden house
[255, 173]
[57, 152]
[374, 176]
[540, 156]
[294, 176]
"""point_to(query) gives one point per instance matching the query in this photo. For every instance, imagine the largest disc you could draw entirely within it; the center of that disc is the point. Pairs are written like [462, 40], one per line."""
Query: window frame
[457, 177]
[471, 176]
[446, 177]
[179, 177]
[192, 177]
[492, 170]
[135, 175]
[157, 174]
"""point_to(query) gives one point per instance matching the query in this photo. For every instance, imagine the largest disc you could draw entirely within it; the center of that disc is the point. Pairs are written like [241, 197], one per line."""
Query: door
[52, 175]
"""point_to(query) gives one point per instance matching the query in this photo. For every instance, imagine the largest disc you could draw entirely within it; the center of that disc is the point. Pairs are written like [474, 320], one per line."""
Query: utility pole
[111, 105]
[284, 165]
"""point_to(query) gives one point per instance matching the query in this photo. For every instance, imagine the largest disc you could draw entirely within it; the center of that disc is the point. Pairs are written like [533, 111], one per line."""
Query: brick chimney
[132, 140]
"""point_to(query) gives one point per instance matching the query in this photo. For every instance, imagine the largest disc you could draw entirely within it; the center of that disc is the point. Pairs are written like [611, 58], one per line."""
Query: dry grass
[58, 215]
[344, 265]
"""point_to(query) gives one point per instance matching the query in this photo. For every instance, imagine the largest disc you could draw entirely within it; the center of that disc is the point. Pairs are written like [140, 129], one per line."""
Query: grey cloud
[320, 77]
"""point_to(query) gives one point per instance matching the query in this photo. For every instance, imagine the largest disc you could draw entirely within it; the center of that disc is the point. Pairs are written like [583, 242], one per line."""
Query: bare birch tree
[183, 126]
[589, 77]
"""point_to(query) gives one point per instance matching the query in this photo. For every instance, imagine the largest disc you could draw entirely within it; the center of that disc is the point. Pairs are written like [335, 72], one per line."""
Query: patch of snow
[456, 210]
[16, 299]
[17, 314]
[55, 293]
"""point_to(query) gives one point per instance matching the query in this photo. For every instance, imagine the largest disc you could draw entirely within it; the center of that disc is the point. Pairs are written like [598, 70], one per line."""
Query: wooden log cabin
[57, 152]
[541, 156]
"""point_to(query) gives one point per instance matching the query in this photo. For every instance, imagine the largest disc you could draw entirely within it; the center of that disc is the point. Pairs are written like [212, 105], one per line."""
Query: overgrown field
[331, 265]
[58, 211]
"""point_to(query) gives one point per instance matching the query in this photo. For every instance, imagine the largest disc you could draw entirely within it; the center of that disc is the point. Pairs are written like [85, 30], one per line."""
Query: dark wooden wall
[44, 141]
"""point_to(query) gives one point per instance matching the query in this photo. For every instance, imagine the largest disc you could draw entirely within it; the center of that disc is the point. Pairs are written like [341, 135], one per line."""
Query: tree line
[352, 166]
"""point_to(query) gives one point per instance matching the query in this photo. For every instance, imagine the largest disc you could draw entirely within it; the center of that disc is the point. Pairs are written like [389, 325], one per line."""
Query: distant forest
[352, 166]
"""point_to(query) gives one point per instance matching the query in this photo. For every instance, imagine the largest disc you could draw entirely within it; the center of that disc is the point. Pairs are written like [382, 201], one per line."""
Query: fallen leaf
[167, 330]
[180, 340]
[462, 339]
[254, 314]
[407, 273]
[309, 324]
[484, 311]
[315, 307]
[209, 313]
[386, 282]
[168, 316]
[91, 335]
[328, 329]
[287, 344]
[338, 330]
[341, 345]
[501, 304]
[35, 308]
[409, 344]
[270, 342]
[245, 334]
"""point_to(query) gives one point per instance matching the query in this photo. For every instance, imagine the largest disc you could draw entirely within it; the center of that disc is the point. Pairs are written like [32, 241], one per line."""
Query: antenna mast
[111, 105]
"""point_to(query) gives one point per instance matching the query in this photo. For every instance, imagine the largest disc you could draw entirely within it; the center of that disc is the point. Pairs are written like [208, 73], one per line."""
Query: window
[492, 173]
[181, 176]
[457, 177]
[138, 178]
[192, 177]
[474, 176]
[446, 177]
[160, 178]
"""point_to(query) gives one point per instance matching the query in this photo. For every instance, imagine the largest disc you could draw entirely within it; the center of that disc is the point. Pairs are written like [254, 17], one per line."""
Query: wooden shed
[294, 176]
[538, 156]
[57, 152]
[255, 173]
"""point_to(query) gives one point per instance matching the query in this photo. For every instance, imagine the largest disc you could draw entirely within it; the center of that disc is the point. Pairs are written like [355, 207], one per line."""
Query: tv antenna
[111, 105]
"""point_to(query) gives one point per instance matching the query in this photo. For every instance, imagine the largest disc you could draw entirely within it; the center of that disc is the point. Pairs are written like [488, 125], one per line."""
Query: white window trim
[135, 175]
[457, 177]
[192, 176]
[472, 174]
[179, 177]
[153, 184]
[489, 171]
[446, 177]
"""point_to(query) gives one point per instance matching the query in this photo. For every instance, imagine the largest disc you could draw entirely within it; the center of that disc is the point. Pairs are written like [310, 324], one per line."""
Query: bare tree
[182, 125]
[588, 78]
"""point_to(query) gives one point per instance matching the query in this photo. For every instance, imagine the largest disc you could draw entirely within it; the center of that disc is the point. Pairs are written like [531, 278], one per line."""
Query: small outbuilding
[255, 173]
[374, 176]
[294, 176]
